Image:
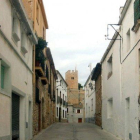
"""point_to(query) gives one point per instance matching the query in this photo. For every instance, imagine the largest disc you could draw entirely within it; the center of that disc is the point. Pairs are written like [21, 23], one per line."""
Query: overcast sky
[77, 30]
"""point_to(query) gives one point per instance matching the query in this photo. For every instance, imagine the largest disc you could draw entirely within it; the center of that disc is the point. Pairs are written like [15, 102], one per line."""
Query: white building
[61, 98]
[90, 100]
[16, 47]
[120, 77]
[75, 113]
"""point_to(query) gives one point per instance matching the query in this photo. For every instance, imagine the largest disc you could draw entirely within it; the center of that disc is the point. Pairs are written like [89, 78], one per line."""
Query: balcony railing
[58, 99]
[39, 57]
[63, 103]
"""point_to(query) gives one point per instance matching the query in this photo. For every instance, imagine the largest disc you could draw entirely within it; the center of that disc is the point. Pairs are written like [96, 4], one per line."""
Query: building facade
[17, 39]
[90, 100]
[44, 75]
[61, 98]
[96, 76]
[75, 113]
[76, 95]
[120, 76]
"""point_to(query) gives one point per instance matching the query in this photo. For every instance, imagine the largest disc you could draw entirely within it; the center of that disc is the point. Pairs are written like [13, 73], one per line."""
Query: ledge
[136, 26]
[44, 80]
[39, 70]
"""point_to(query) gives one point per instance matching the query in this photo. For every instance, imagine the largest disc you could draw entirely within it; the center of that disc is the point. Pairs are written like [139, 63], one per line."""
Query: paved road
[67, 131]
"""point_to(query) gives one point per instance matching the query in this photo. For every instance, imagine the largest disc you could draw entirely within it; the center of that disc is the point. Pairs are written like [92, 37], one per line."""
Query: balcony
[63, 103]
[40, 58]
[58, 99]
[38, 68]
[53, 98]
[44, 80]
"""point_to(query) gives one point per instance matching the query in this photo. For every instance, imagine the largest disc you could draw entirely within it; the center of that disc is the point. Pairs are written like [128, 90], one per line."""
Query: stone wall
[71, 78]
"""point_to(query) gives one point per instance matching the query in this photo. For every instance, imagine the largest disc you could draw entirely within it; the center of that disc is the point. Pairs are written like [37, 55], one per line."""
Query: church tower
[72, 79]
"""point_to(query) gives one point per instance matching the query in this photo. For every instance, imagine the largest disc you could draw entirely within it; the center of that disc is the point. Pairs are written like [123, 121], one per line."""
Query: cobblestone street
[67, 131]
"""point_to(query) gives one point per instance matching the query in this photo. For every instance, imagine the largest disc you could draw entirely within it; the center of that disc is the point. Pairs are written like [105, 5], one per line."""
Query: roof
[126, 6]
[61, 77]
[49, 56]
[78, 105]
[109, 47]
[96, 72]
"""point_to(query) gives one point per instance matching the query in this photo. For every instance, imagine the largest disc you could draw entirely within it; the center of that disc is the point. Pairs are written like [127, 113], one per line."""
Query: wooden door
[79, 120]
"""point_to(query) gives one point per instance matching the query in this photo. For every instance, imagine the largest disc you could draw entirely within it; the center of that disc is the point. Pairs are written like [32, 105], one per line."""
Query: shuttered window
[2, 76]
[136, 11]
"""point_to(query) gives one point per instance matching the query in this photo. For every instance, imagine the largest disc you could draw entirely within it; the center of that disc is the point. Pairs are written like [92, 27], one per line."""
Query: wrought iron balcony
[39, 57]
[58, 99]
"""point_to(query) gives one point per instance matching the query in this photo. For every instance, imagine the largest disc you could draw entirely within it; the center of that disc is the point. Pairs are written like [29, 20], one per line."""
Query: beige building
[76, 96]
[16, 52]
[44, 75]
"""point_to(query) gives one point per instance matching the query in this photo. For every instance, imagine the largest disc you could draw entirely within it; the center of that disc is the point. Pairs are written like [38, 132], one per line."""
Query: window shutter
[2, 76]
[136, 11]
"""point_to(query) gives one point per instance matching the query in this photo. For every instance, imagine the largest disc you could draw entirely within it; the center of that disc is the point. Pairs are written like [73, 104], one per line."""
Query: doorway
[59, 114]
[79, 120]
[15, 116]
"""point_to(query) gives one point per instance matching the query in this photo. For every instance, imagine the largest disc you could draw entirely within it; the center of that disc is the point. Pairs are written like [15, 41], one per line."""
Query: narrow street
[66, 131]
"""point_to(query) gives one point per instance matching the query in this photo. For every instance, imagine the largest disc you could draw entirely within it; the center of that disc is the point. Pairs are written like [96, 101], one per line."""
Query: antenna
[75, 67]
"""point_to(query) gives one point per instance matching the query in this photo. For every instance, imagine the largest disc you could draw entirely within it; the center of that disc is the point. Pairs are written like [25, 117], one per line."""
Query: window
[136, 11]
[15, 28]
[2, 76]
[110, 108]
[23, 42]
[128, 39]
[78, 110]
[72, 78]
[63, 113]
[109, 64]
[91, 104]
[5, 76]
[57, 111]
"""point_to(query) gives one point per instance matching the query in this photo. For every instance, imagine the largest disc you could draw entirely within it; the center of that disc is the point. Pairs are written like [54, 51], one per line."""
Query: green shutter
[136, 11]
[2, 76]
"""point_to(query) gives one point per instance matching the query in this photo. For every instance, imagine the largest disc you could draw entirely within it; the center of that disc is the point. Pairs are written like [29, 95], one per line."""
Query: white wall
[72, 114]
[20, 76]
[123, 85]
[89, 98]
[63, 89]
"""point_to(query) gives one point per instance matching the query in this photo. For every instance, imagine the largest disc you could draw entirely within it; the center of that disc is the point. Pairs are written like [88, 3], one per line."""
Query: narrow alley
[74, 131]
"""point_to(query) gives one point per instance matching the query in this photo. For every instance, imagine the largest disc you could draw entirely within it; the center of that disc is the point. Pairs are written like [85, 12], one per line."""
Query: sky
[76, 34]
